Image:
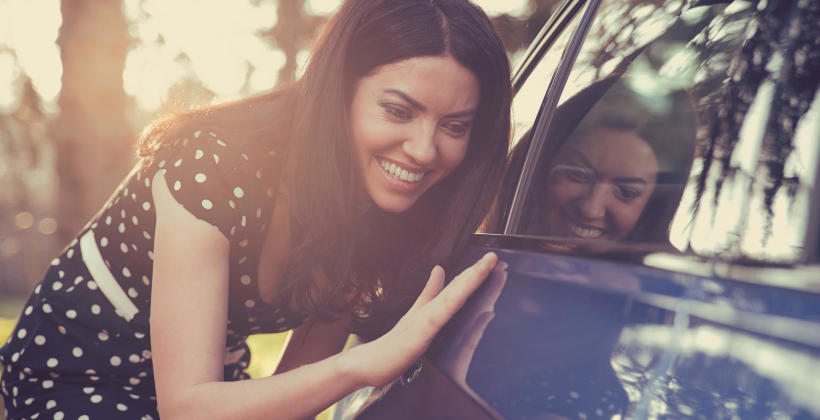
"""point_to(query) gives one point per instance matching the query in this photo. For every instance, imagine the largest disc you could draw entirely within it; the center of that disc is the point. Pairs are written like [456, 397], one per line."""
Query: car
[658, 223]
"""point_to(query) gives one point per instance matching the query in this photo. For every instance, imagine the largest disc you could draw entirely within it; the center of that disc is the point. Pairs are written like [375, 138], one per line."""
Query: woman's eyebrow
[418, 105]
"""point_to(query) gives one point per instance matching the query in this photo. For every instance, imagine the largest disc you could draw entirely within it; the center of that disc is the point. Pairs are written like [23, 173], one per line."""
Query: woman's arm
[188, 327]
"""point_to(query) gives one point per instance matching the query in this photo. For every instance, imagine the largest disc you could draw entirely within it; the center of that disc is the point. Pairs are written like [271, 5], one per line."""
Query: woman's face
[600, 185]
[410, 123]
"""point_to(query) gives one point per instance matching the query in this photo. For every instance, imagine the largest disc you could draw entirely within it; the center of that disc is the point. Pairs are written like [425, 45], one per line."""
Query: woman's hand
[384, 359]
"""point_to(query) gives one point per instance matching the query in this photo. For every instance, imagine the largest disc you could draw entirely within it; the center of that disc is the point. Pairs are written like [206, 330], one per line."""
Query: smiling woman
[328, 207]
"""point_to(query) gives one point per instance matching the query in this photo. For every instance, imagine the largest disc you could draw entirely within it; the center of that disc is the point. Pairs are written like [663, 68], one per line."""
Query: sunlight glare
[30, 28]
[220, 47]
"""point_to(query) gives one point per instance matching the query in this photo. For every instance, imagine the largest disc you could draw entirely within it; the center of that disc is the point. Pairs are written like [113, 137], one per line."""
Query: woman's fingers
[452, 298]
[434, 285]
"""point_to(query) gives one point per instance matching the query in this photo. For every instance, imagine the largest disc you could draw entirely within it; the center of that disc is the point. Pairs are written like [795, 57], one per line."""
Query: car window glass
[527, 100]
[654, 83]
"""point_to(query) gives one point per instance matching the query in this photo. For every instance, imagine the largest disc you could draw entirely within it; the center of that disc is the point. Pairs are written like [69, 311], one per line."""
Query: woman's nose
[420, 144]
[592, 204]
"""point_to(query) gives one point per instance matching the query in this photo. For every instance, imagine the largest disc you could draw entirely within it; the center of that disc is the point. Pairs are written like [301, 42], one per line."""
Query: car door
[659, 223]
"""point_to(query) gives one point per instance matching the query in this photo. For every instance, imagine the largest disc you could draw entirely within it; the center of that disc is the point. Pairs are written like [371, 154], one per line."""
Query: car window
[681, 128]
[527, 100]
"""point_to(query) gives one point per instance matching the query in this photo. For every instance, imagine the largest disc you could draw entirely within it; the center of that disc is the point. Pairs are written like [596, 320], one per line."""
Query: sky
[221, 43]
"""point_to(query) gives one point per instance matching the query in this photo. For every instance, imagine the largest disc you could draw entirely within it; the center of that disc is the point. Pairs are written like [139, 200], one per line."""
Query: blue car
[659, 226]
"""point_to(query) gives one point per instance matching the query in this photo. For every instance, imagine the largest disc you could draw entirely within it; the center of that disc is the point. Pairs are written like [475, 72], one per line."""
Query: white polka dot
[161, 163]
[139, 335]
[51, 404]
[250, 303]
[14, 357]
[61, 329]
[146, 234]
[200, 178]
[95, 309]
[103, 336]
[198, 154]
[134, 220]
[77, 352]
[96, 398]
[177, 185]
[146, 206]
[71, 314]
[151, 255]
[238, 192]
[88, 389]
[107, 220]
[221, 143]
[207, 205]
[123, 248]
[126, 272]
[122, 407]
[78, 280]
[197, 133]
[258, 213]
[103, 242]
[115, 361]
[243, 222]
[85, 417]
[132, 292]
[56, 285]
[146, 281]
[243, 243]
[242, 260]
[21, 334]
[39, 340]
[134, 358]
[245, 279]
[134, 381]
[232, 204]
[122, 214]
[47, 308]
[55, 261]
[59, 415]
[61, 274]
[91, 285]
[48, 384]
[29, 400]
[216, 158]
[178, 162]
[52, 362]
[121, 228]
[28, 310]
[70, 253]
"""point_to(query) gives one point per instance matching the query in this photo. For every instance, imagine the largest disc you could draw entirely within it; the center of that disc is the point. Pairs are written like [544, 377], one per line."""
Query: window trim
[545, 116]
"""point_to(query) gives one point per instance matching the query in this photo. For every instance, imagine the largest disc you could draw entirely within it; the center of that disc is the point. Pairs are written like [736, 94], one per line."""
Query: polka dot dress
[81, 349]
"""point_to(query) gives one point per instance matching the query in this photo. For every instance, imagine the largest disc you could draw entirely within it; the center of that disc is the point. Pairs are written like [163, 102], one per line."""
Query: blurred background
[79, 79]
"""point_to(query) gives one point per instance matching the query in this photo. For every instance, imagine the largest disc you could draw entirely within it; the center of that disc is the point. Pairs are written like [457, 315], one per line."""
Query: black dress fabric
[81, 348]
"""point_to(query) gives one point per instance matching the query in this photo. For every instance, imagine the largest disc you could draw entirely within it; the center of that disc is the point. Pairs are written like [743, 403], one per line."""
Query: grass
[265, 348]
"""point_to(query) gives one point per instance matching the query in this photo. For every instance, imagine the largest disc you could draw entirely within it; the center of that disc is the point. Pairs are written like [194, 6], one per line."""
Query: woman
[321, 207]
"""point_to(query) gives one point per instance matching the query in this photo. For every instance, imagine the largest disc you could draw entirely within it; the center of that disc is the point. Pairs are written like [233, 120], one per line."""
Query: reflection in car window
[654, 82]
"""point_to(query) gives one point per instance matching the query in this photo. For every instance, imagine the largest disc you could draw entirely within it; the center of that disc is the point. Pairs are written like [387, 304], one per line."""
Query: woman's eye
[456, 128]
[397, 111]
[576, 174]
[626, 193]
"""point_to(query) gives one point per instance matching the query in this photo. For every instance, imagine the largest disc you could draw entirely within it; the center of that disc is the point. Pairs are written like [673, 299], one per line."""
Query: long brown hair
[380, 259]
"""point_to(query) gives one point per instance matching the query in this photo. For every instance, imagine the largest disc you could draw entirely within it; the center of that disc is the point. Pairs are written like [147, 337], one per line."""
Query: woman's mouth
[400, 173]
[584, 232]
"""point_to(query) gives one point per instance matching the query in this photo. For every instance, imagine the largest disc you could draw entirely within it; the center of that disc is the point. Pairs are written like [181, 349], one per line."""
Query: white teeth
[587, 233]
[400, 173]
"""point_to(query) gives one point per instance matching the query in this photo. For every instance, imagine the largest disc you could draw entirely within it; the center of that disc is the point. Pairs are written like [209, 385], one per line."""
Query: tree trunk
[92, 133]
